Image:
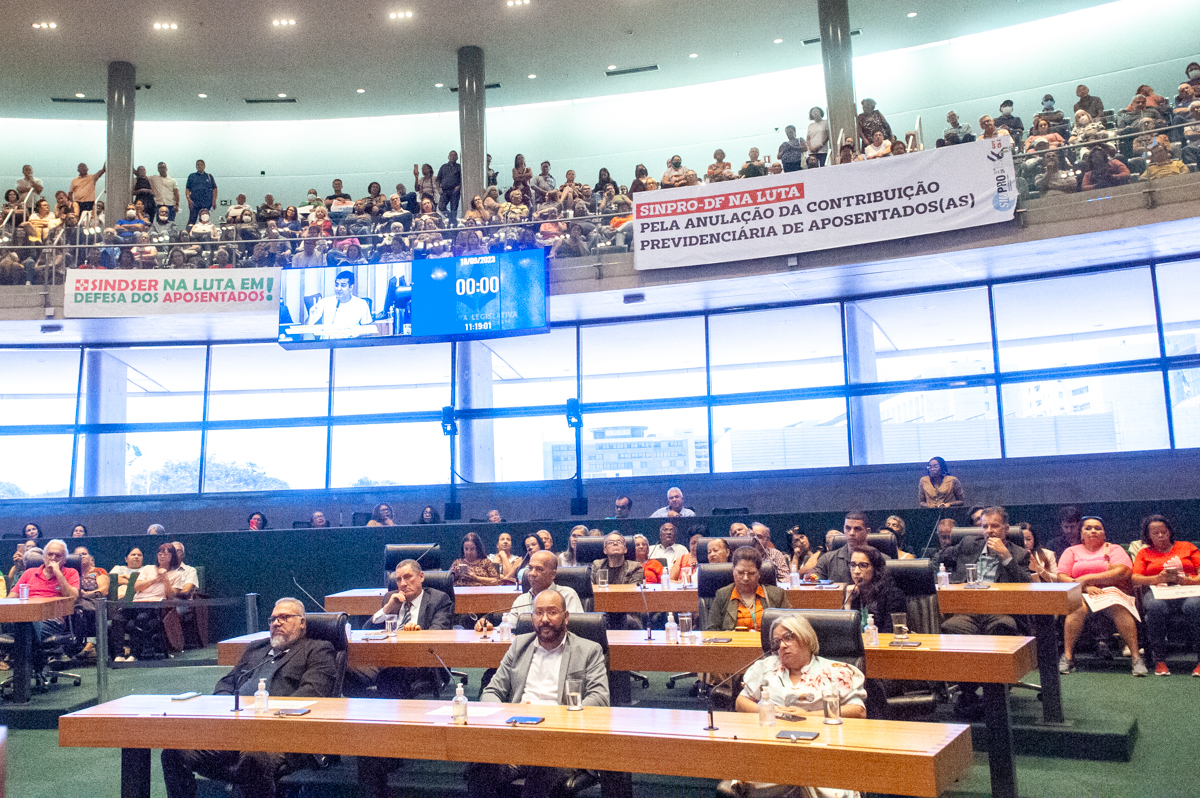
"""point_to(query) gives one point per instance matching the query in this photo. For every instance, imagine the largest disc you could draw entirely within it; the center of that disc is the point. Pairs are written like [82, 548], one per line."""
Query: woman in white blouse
[154, 583]
[795, 678]
[1043, 566]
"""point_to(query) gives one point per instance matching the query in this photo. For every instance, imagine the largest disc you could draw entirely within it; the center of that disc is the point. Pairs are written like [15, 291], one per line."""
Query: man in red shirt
[52, 580]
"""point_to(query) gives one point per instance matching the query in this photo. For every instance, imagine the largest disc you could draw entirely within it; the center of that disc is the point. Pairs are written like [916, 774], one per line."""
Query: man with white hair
[52, 580]
[674, 505]
[292, 665]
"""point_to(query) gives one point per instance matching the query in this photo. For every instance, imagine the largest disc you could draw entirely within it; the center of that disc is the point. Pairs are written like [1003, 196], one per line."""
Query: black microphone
[428, 549]
[711, 725]
[240, 678]
[320, 606]
[439, 659]
[941, 512]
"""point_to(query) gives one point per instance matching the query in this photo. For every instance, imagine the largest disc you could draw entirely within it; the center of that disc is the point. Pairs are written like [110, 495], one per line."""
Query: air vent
[486, 86]
[271, 100]
[85, 100]
[612, 73]
[806, 42]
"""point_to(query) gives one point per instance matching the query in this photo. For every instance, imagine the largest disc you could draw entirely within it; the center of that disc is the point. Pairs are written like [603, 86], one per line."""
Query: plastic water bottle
[795, 578]
[459, 706]
[672, 628]
[943, 578]
[766, 711]
[261, 698]
[871, 632]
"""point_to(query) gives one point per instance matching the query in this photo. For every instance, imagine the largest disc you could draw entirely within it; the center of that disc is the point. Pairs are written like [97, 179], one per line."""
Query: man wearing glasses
[52, 580]
[292, 665]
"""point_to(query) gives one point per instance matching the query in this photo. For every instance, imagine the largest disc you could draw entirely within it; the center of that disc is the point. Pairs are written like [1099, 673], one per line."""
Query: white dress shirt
[352, 313]
[524, 602]
[669, 554]
[380, 615]
[541, 682]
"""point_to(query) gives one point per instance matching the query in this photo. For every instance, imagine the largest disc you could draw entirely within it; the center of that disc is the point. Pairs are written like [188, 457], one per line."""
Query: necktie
[407, 614]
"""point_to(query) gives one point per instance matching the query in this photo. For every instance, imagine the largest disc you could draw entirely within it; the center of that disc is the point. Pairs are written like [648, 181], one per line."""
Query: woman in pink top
[1097, 564]
[1166, 561]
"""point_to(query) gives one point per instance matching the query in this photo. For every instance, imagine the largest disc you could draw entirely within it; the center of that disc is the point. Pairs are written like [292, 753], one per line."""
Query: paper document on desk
[473, 710]
[1112, 596]
[1164, 592]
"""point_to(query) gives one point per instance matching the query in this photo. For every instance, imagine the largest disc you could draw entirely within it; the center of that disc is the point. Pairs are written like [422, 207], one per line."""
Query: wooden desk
[811, 597]
[629, 598]
[630, 651]
[23, 614]
[920, 759]
[460, 649]
[1041, 601]
[467, 600]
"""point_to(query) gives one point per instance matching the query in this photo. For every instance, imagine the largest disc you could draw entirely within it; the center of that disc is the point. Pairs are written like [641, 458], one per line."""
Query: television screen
[432, 299]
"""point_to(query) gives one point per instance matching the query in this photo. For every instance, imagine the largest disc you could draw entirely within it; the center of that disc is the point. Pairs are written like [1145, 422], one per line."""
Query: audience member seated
[1104, 570]
[381, 516]
[293, 666]
[1087, 130]
[990, 131]
[133, 562]
[1043, 565]
[1129, 119]
[687, 561]
[795, 678]
[899, 148]
[256, 521]
[1042, 132]
[766, 547]
[871, 590]
[740, 605]
[154, 583]
[1153, 99]
[869, 121]
[1051, 115]
[938, 488]
[995, 560]
[1162, 165]
[1055, 179]
[52, 580]
[318, 520]
[676, 173]
[1166, 561]
[472, 567]
[505, 562]
[753, 166]
[960, 130]
[1191, 136]
[895, 524]
[674, 502]
[879, 147]
[1193, 74]
[666, 548]
[566, 558]
[429, 516]
[604, 182]
[543, 567]
[1007, 121]
[1092, 105]
[803, 559]
[620, 571]
[835, 565]
[93, 586]
[652, 569]
[1102, 170]
[847, 155]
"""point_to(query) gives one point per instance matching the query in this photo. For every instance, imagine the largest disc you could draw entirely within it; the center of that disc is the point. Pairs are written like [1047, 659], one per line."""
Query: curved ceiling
[231, 51]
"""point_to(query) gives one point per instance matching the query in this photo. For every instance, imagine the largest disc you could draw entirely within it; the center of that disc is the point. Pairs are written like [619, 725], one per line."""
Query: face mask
[1047, 104]
[162, 217]
[1006, 109]
[130, 214]
[1194, 73]
[204, 217]
[676, 164]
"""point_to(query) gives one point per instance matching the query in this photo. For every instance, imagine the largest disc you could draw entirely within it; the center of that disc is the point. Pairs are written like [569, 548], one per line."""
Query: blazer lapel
[521, 670]
[564, 670]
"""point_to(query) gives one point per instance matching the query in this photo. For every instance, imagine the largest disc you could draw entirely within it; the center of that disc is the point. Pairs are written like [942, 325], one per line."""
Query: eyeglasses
[859, 566]
[282, 618]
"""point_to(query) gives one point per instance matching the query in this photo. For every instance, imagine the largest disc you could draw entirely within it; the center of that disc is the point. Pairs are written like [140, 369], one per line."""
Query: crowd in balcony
[1090, 148]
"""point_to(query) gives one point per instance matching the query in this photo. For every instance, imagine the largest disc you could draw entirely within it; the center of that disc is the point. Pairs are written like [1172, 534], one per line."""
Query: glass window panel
[923, 336]
[643, 360]
[913, 426]
[773, 435]
[32, 466]
[265, 381]
[141, 463]
[1071, 321]
[1114, 413]
[38, 386]
[369, 454]
[1185, 407]
[1179, 301]
[772, 350]
[391, 379]
[536, 448]
[533, 369]
[645, 443]
[289, 458]
[144, 384]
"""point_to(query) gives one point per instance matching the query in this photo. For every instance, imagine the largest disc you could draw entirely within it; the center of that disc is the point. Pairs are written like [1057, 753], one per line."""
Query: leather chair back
[429, 555]
[579, 579]
[589, 625]
[588, 550]
[712, 577]
[440, 580]
[884, 541]
[917, 579]
[74, 561]
[839, 632]
[359, 519]
[732, 543]
[331, 627]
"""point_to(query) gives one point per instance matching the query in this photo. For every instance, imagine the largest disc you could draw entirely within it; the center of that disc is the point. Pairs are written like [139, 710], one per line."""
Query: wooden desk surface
[362, 601]
[1034, 598]
[954, 658]
[467, 600]
[13, 610]
[920, 759]
[628, 598]
[460, 649]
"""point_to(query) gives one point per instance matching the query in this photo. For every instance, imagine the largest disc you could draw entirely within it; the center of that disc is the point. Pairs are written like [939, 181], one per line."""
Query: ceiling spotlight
[79, 95]
[612, 66]
[283, 22]
[400, 15]
[512, 3]
[694, 55]
[438, 85]
[531, 77]
[779, 41]
[912, 14]
[166, 26]
[361, 91]
[202, 96]
[45, 25]
[281, 94]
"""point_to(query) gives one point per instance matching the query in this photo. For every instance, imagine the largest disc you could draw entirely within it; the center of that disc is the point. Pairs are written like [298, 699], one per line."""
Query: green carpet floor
[1161, 766]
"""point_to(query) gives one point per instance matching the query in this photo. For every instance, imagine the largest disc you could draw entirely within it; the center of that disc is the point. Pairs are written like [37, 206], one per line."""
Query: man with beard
[292, 665]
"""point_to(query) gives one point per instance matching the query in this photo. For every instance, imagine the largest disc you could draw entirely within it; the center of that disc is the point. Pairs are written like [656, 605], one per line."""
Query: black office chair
[588, 550]
[839, 632]
[1015, 535]
[884, 541]
[579, 579]
[359, 519]
[429, 555]
[917, 579]
[732, 543]
[331, 627]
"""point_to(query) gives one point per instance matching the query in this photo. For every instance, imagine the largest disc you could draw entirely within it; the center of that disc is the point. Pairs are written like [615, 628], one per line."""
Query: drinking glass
[602, 577]
[900, 625]
[685, 626]
[685, 574]
[833, 707]
[391, 624]
[972, 574]
[575, 694]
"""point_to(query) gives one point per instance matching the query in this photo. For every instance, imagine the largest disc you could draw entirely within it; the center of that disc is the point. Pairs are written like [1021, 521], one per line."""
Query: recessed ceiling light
[202, 96]
[361, 91]
[512, 3]
[912, 14]
[694, 55]
[531, 77]
[438, 85]
[612, 66]
[45, 25]
[779, 41]
[400, 15]
[166, 26]
[278, 22]
[80, 96]
[281, 94]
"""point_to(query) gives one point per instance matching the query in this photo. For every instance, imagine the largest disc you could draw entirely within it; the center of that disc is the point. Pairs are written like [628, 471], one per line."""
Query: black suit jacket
[306, 668]
[437, 609]
[957, 558]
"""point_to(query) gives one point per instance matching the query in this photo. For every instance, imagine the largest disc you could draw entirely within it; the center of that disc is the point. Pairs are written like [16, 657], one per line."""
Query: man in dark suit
[997, 560]
[535, 671]
[417, 607]
[741, 605]
[835, 565]
[292, 665]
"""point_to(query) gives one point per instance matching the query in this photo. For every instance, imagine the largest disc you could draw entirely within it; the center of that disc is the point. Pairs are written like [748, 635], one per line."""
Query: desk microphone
[240, 678]
[449, 672]
[428, 549]
[711, 725]
[941, 512]
[320, 606]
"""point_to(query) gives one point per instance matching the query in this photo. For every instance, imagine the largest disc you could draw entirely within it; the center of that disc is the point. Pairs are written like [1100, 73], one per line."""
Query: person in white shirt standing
[674, 503]
[166, 191]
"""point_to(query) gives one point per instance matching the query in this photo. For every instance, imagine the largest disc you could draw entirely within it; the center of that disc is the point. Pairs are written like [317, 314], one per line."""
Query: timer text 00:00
[484, 285]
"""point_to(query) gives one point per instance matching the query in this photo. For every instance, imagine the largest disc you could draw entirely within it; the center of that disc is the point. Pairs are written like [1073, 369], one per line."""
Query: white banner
[103, 293]
[916, 194]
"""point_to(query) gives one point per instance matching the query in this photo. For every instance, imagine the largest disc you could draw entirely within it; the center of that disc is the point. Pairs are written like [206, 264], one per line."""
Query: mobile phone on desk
[796, 736]
[789, 716]
[185, 696]
[524, 720]
[719, 640]
[288, 713]
[903, 644]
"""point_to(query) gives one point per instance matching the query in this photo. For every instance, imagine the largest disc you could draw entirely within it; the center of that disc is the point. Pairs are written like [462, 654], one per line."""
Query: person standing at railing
[83, 188]
[201, 192]
[1088, 102]
[869, 121]
[818, 135]
[29, 188]
[166, 191]
[449, 182]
